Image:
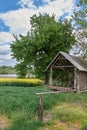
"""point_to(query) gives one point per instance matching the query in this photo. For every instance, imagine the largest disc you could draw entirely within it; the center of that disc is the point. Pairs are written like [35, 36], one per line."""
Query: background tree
[46, 38]
[80, 26]
[23, 51]
[7, 70]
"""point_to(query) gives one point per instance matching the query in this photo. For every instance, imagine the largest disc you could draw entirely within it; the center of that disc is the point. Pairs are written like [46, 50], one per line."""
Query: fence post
[40, 102]
[40, 108]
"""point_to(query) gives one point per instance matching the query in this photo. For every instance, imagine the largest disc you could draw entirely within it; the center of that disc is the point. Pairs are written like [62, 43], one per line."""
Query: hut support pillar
[75, 83]
[78, 88]
[75, 79]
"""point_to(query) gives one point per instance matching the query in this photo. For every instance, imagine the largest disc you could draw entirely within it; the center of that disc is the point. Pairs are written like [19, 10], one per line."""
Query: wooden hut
[64, 62]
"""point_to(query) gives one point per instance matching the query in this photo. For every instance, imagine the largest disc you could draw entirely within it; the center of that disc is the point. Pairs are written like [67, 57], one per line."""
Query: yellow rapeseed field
[18, 81]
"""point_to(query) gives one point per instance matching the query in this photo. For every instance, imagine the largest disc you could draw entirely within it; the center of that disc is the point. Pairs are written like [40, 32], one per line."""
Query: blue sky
[15, 19]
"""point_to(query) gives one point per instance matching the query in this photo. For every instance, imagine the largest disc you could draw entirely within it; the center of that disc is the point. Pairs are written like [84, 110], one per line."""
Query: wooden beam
[53, 92]
[56, 60]
[63, 66]
[53, 62]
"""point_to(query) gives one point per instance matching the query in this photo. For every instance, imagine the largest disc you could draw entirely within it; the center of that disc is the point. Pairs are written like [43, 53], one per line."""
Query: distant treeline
[7, 70]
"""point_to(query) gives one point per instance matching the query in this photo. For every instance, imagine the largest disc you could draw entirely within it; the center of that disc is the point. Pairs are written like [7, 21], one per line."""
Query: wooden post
[75, 79]
[75, 83]
[40, 108]
[78, 90]
[51, 81]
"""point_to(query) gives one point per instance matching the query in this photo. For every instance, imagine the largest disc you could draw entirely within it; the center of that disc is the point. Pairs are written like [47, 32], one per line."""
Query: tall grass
[20, 105]
[71, 113]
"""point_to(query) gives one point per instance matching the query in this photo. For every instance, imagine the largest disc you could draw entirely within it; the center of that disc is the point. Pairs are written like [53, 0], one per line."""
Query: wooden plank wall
[82, 79]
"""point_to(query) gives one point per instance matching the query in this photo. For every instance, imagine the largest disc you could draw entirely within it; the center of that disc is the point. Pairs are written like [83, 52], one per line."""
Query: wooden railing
[40, 102]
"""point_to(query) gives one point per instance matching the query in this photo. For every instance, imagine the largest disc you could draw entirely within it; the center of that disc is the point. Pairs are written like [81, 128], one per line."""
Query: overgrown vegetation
[63, 78]
[20, 105]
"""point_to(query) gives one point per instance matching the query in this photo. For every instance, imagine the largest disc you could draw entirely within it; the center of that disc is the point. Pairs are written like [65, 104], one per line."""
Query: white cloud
[46, 1]
[5, 56]
[27, 3]
[5, 37]
[4, 49]
[5, 52]
[9, 62]
[18, 21]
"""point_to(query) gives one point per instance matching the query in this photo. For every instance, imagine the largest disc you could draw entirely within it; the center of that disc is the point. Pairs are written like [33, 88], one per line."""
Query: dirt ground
[4, 122]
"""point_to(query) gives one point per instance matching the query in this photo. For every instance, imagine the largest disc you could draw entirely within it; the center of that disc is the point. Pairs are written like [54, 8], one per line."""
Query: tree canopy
[45, 39]
[80, 25]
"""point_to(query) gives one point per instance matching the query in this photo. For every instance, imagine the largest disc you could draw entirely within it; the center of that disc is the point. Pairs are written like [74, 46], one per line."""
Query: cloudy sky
[15, 19]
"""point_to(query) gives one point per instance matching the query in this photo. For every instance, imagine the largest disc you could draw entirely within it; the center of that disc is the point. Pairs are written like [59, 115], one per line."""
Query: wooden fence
[40, 102]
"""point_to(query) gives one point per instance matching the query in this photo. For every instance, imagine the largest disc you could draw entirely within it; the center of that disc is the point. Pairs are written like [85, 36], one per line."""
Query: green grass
[20, 105]
[67, 117]
[72, 113]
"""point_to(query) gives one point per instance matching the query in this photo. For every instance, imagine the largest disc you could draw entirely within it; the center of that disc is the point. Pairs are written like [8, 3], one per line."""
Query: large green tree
[46, 38]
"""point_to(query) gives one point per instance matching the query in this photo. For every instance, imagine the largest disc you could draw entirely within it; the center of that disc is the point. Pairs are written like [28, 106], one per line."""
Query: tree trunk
[46, 78]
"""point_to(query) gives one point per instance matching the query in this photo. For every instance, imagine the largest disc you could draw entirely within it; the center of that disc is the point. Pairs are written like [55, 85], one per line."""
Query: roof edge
[69, 58]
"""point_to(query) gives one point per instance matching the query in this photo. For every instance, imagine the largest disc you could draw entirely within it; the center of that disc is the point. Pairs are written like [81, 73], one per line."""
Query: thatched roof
[72, 61]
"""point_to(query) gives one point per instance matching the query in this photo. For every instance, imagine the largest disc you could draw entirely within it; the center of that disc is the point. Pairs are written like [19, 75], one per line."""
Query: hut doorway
[63, 77]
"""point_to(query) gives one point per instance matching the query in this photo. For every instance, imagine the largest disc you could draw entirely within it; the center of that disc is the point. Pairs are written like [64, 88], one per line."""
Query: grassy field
[19, 105]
